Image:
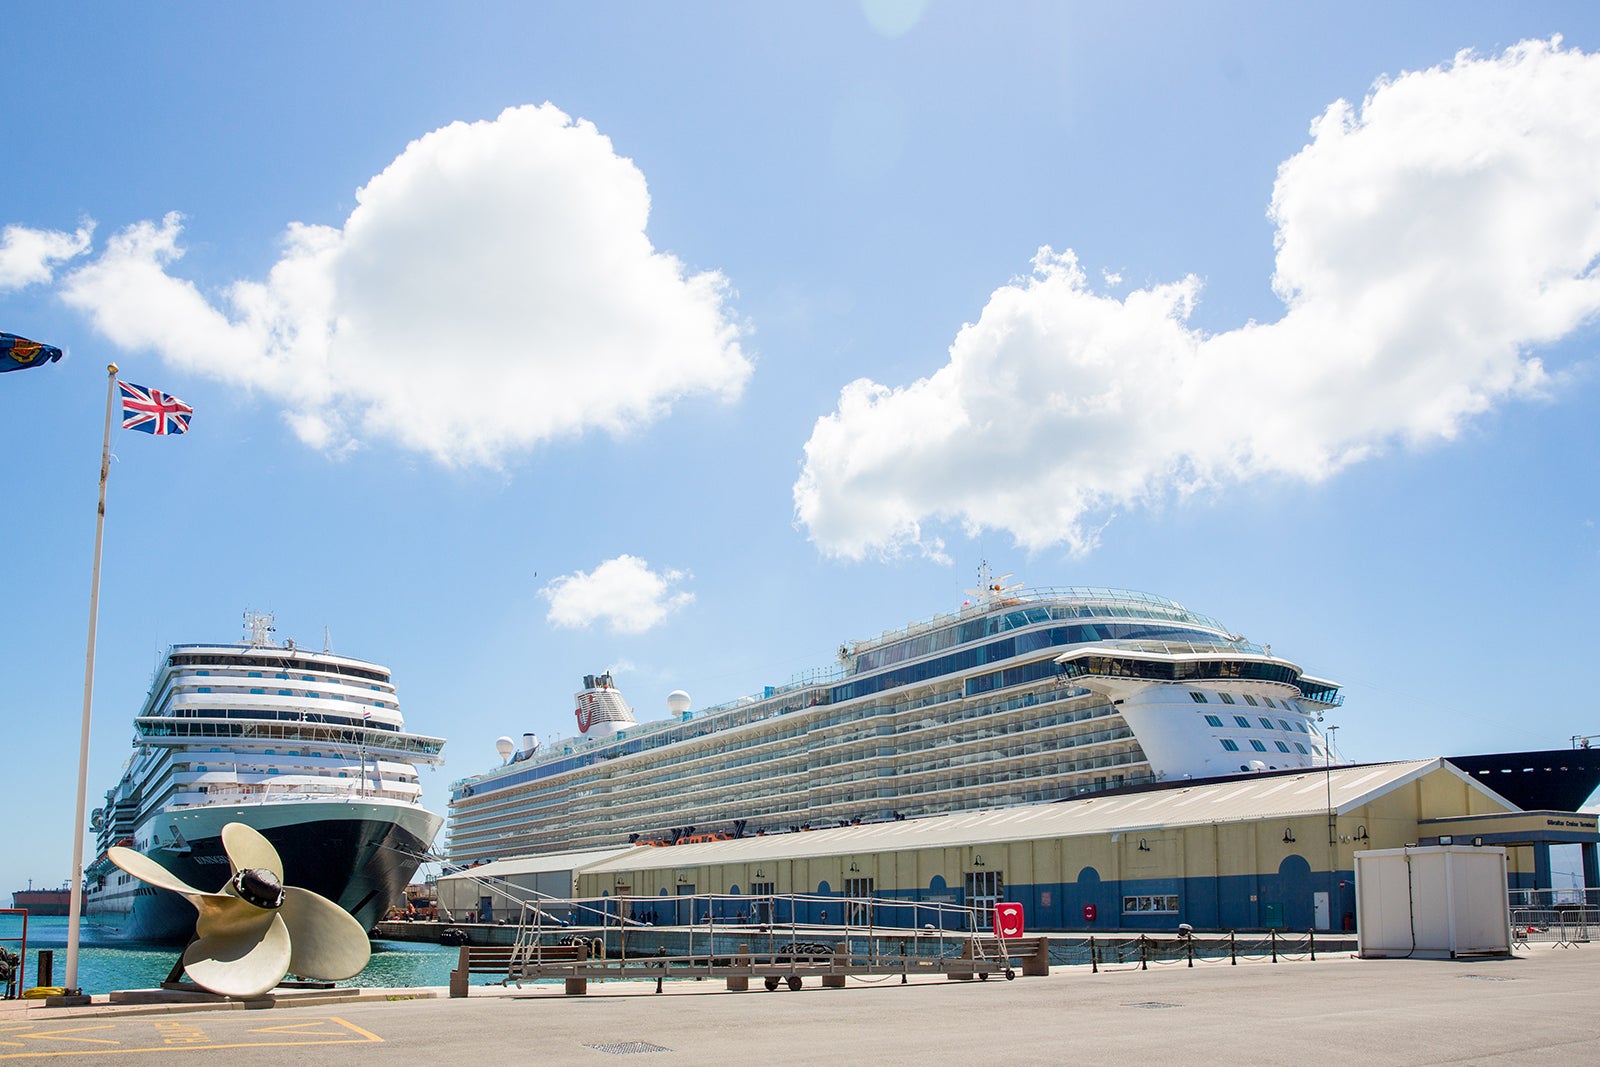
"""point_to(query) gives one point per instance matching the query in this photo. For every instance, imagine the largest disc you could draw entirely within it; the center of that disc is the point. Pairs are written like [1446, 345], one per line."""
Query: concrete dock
[1535, 1008]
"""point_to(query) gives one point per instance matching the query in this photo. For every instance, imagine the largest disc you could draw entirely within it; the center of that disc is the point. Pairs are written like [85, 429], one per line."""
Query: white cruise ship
[309, 748]
[1021, 696]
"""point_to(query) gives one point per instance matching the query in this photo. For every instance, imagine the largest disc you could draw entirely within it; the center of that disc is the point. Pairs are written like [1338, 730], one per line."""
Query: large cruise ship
[307, 747]
[1021, 696]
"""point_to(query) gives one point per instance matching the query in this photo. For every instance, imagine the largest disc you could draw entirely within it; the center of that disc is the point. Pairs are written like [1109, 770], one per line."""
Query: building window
[1244, 723]
[1226, 699]
[1230, 744]
[1157, 904]
[1257, 745]
[1197, 697]
[1212, 720]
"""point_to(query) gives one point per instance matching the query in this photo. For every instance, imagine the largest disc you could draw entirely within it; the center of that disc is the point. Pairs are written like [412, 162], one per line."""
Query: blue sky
[527, 341]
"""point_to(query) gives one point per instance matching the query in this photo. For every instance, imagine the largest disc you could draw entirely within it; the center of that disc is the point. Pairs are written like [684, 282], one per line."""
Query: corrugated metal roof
[1247, 800]
[540, 864]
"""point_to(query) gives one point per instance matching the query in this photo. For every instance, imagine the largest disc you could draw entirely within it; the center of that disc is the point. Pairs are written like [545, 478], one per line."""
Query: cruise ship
[1020, 696]
[307, 747]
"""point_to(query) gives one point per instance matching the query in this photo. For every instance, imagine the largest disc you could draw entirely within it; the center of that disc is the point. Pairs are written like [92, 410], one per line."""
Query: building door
[1322, 915]
[984, 891]
[761, 902]
[685, 907]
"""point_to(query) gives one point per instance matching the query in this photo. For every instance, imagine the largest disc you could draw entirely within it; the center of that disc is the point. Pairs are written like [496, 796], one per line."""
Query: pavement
[1537, 1007]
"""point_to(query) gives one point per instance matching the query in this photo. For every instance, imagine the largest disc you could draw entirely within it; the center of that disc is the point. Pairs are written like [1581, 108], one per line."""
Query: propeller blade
[149, 871]
[240, 962]
[327, 941]
[247, 849]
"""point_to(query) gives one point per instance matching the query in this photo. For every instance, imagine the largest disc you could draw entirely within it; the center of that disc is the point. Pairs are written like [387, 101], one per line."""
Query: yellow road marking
[342, 1033]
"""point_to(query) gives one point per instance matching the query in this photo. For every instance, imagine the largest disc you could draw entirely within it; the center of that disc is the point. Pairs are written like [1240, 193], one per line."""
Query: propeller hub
[259, 886]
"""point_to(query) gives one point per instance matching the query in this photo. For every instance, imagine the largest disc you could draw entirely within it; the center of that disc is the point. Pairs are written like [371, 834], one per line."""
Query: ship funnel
[530, 745]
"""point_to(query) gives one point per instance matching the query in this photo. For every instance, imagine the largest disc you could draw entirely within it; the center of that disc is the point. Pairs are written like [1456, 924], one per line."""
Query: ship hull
[358, 854]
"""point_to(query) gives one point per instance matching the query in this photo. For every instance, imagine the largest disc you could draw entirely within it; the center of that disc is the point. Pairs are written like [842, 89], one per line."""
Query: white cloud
[1428, 241]
[493, 289]
[29, 257]
[623, 593]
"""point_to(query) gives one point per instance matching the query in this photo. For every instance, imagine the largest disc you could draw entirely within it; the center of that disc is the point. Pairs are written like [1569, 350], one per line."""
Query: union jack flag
[152, 411]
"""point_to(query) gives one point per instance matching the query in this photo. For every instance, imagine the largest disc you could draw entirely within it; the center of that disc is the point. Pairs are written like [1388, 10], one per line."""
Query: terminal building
[1267, 851]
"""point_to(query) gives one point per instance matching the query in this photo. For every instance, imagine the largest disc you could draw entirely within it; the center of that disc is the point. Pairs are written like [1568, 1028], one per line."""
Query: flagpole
[75, 910]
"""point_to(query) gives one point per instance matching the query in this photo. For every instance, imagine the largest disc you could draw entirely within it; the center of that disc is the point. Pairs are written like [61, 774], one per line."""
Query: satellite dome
[678, 702]
[505, 746]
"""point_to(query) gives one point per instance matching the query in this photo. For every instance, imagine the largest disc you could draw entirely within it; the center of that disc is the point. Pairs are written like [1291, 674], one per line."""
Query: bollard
[662, 951]
[45, 973]
[1313, 946]
[902, 963]
[1189, 942]
[1094, 956]
[1144, 953]
[1274, 938]
[1233, 949]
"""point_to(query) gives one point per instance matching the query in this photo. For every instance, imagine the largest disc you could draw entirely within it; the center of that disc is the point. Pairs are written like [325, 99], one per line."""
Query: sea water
[104, 965]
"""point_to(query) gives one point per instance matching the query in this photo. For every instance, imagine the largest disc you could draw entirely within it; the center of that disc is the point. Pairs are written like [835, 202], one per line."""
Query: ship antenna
[327, 640]
[258, 628]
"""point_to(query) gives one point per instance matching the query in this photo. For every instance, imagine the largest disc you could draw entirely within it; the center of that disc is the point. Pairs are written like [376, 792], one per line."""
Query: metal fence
[1559, 916]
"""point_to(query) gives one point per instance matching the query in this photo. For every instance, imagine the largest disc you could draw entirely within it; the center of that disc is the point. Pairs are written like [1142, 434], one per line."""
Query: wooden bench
[1033, 951]
[496, 960]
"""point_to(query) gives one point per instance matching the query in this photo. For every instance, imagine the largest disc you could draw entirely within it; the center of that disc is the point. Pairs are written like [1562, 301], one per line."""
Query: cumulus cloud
[623, 593]
[493, 289]
[29, 257]
[1428, 242]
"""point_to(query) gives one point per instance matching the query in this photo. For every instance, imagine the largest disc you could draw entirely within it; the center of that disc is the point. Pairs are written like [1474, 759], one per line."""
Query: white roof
[1244, 799]
[544, 863]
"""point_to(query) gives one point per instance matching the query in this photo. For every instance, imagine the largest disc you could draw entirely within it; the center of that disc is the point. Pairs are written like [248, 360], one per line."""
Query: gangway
[880, 938]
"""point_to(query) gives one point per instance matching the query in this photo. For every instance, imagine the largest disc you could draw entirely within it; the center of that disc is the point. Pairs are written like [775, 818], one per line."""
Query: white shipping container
[1437, 901]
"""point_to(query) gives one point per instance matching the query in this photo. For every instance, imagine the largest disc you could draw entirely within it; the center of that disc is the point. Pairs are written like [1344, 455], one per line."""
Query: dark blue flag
[17, 353]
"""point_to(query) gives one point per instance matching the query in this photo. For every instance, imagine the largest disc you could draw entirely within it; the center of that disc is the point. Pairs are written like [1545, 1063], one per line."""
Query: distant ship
[1020, 696]
[42, 901]
[309, 748]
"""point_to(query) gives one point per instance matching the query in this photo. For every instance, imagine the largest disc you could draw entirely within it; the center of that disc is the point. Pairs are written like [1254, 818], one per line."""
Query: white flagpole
[75, 910]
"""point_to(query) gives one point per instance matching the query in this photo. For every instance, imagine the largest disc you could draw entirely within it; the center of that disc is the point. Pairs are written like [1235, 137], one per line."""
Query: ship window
[281, 677]
[285, 693]
[1281, 746]
[1270, 704]
[1302, 727]
[1226, 699]
[1197, 697]
[1212, 720]
[1248, 699]
[1257, 745]
[1244, 723]
[1301, 747]
[1230, 744]
[253, 674]
[258, 692]
[204, 689]
[1266, 724]
[1283, 724]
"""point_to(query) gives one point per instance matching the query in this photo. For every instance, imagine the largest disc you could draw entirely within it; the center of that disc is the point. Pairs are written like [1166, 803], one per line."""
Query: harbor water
[105, 965]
